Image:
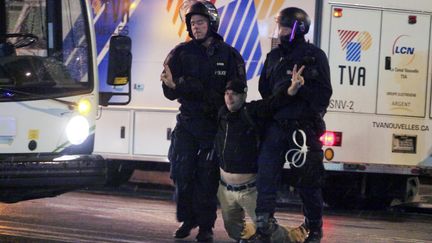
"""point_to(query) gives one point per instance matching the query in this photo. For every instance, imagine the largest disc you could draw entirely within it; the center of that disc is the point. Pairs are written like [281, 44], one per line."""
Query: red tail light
[330, 138]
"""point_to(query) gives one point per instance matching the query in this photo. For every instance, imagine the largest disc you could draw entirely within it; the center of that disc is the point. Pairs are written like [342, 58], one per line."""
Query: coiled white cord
[297, 160]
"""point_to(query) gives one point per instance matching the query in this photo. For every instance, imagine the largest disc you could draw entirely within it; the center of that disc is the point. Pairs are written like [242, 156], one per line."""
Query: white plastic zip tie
[297, 154]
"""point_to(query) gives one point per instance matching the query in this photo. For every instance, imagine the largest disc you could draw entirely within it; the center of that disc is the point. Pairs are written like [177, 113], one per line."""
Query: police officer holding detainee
[292, 138]
[195, 74]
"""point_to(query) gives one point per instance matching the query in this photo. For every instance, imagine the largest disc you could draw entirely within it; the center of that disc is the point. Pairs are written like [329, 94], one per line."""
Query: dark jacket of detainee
[239, 133]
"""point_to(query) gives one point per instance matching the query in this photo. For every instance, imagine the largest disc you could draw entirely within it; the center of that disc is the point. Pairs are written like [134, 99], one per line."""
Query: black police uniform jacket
[239, 133]
[201, 75]
[312, 99]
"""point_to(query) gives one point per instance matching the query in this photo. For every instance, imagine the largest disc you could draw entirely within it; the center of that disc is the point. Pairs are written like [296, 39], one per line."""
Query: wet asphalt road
[148, 216]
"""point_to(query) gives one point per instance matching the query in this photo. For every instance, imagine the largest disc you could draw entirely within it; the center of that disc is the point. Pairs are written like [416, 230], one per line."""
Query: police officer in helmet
[195, 74]
[297, 127]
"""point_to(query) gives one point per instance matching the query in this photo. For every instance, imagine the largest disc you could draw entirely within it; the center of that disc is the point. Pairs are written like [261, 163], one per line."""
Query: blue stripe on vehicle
[254, 63]
[353, 52]
[249, 21]
[227, 18]
[250, 43]
[235, 26]
[243, 42]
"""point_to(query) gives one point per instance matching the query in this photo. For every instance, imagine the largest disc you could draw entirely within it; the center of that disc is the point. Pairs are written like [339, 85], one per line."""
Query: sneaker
[204, 235]
[184, 230]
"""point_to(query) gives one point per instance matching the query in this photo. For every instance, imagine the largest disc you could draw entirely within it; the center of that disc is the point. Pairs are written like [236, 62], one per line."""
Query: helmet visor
[282, 30]
[285, 21]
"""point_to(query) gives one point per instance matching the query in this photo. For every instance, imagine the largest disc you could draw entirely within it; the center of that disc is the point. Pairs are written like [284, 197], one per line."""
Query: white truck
[379, 120]
[49, 97]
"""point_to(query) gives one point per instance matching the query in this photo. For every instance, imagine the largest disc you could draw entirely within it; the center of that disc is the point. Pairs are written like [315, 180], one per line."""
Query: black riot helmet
[206, 9]
[296, 19]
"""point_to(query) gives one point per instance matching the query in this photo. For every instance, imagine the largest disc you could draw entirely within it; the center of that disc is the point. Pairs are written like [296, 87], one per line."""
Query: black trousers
[307, 179]
[194, 171]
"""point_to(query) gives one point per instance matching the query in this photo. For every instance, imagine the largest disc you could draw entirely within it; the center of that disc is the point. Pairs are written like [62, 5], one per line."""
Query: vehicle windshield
[44, 49]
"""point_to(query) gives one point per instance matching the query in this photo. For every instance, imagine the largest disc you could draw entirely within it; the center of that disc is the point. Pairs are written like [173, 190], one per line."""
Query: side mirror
[119, 60]
[119, 71]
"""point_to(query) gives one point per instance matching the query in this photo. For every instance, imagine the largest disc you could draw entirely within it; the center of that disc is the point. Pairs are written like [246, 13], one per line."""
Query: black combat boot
[184, 230]
[315, 230]
[252, 239]
[266, 225]
[204, 235]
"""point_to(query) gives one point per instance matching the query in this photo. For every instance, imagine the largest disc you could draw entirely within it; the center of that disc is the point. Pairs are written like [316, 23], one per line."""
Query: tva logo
[354, 42]
[401, 46]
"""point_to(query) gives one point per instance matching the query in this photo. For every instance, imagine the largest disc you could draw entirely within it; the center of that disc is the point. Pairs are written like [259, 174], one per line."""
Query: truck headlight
[77, 130]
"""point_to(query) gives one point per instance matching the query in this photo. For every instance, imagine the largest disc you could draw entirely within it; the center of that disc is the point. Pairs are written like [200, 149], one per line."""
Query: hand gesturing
[166, 77]
[297, 80]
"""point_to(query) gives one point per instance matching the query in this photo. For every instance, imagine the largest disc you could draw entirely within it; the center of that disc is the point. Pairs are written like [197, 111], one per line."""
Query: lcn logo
[401, 46]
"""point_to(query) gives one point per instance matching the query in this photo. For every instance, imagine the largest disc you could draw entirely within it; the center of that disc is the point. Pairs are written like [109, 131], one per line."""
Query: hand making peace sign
[297, 80]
